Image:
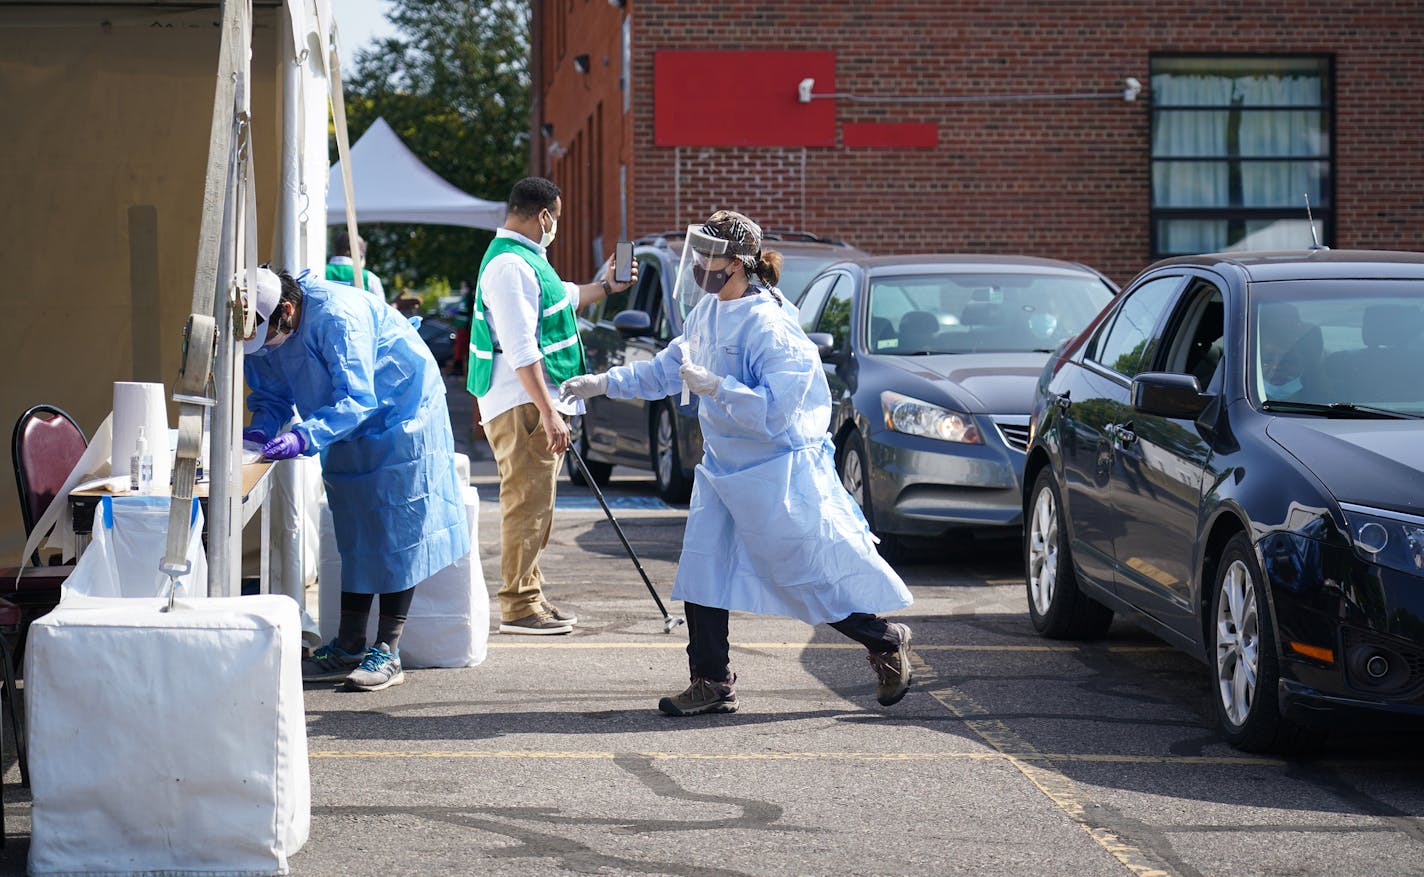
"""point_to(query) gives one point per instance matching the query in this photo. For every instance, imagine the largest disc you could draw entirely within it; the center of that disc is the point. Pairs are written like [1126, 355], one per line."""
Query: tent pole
[285, 573]
[288, 253]
[222, 571]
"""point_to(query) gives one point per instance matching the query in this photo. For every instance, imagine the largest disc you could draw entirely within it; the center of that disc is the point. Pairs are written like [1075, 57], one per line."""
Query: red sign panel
[742, 99]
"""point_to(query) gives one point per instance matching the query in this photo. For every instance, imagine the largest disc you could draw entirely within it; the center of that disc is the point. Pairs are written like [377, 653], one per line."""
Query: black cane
[669, 621]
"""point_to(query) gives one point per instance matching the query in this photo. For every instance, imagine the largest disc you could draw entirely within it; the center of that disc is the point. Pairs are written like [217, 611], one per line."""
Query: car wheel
[600, 471]
[1057, 608]
[1245, 668]
[854, 470]
[673, 486]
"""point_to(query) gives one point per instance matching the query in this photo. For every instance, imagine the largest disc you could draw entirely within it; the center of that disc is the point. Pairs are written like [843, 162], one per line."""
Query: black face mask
[710, 281]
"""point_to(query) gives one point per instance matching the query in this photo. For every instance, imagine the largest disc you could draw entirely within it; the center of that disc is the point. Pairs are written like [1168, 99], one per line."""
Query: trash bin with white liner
[167, 742]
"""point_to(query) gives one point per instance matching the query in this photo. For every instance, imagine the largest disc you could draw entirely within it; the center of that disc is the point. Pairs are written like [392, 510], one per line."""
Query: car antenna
[1314, 238]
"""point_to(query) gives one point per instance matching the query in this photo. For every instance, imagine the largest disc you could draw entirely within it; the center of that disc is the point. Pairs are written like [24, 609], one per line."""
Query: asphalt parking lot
[1010, 755]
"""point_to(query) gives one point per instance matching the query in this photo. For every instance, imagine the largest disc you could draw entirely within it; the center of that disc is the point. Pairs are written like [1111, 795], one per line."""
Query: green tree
[454, 85]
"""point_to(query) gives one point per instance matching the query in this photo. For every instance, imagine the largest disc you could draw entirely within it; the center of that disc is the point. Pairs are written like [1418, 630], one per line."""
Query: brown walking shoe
[537, 623]
[702, 696]
[558, 614]
[893, 669]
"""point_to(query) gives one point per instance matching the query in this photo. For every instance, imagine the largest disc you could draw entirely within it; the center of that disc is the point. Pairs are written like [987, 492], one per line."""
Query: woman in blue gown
[367, 397]
[770, 529]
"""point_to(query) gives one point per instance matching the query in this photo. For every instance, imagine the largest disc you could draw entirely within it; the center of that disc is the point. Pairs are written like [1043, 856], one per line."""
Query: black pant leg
[355, 612]
[390, 624]
[871, 631]
[708, 652]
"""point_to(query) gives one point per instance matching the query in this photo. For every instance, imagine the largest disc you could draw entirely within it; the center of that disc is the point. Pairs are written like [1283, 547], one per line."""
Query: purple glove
[256, 436]
[285, 446]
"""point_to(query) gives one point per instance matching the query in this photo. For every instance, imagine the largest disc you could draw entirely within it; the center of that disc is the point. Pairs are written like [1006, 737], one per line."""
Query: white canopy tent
[392, 185]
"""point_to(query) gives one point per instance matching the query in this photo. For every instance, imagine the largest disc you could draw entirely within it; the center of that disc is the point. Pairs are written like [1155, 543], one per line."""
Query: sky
[360, 22]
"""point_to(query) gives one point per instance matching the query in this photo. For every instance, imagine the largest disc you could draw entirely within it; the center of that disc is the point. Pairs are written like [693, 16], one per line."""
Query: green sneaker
[380, 668]
[702, 696]
[329, 663]
[892, 669]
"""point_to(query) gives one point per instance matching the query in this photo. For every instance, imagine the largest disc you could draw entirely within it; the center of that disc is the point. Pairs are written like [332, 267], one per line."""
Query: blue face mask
[277, 340]
[1282, 391]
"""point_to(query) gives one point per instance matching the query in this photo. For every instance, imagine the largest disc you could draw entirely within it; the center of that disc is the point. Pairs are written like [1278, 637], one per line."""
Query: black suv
[634, 325]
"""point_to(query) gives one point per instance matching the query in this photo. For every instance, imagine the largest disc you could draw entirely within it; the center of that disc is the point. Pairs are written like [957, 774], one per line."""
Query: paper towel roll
[135, 405]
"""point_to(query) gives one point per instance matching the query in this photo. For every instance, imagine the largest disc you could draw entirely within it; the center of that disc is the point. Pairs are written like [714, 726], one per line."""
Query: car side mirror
[1168, 395]
[826, 346]
[631, 324]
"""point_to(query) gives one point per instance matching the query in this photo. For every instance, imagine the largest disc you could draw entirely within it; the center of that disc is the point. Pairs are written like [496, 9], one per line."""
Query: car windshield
[1340, 344]
[973, 313]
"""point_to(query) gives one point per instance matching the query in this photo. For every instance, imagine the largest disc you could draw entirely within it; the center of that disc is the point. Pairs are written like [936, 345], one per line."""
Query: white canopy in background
[392, 185]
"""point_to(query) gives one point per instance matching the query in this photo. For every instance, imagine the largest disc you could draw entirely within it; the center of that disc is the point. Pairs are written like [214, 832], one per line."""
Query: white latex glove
[698, 379]
[583, 387]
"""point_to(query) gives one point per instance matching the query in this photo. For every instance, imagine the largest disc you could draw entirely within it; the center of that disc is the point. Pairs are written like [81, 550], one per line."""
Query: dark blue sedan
[1231, 455]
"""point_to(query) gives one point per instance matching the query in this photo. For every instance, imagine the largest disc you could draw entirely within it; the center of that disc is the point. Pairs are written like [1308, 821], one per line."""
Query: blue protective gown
[369, 399]
[770, 528]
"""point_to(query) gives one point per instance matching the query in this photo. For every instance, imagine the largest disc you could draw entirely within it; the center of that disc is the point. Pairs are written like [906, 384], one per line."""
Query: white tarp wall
[106, 111]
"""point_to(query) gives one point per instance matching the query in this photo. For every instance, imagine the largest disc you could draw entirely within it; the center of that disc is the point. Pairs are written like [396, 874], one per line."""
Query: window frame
[1323, 214]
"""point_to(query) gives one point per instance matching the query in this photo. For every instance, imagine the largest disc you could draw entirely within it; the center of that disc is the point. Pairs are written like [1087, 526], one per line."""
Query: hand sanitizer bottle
[141, 467]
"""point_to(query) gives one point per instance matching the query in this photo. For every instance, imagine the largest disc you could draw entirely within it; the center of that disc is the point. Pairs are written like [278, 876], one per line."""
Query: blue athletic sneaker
[329, 663]
[380, 668]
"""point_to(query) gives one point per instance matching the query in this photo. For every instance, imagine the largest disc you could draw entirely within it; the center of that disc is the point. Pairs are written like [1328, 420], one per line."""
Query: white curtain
[1296, 138]
[1280, 134]
[1191, 134]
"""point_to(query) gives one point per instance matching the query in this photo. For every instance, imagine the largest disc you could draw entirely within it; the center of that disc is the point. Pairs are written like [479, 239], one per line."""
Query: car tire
[1056, 605]
[601, 472]
[853, 468]
[666, 459]
[1241, 651]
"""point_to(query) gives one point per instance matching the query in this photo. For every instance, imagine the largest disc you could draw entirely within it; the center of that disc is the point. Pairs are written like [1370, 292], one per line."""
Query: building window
[1237, 144]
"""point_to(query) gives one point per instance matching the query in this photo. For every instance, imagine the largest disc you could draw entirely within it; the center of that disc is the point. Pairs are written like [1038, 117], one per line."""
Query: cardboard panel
[742, 99]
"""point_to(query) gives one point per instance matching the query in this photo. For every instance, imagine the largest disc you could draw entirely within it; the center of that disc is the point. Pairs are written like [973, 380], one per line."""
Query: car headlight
[1386, 538]
[913, 417]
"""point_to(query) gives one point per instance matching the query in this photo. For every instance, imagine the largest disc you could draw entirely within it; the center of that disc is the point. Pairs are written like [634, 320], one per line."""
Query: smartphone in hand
[623, 262]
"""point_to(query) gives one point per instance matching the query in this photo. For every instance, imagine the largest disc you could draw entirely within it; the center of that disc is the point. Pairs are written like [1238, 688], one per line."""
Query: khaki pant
[528, 473]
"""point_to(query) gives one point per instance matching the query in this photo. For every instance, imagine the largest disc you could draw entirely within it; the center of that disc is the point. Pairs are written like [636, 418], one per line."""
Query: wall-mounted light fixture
[548, 129]
[617, 4]
[1131, 89]
[581, 63]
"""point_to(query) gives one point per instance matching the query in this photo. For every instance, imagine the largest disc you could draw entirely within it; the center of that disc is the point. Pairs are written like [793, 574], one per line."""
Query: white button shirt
[511, 298]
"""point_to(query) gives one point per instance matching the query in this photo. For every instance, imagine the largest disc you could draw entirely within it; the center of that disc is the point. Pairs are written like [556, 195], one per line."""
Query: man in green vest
[524, 342]
[342, 270]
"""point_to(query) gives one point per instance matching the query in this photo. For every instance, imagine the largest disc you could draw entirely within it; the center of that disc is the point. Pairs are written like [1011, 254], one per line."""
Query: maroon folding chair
[45, 447]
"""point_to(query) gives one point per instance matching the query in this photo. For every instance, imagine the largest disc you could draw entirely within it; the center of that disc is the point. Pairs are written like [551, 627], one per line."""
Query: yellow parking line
[944, 647]
[1038, 768]
[514, 754]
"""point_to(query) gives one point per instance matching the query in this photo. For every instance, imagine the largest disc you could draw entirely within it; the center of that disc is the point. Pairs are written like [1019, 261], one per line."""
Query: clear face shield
[701, 270]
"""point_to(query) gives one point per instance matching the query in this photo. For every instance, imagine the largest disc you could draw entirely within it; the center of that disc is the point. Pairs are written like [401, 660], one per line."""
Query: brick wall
[1063, 179]
[591, 134]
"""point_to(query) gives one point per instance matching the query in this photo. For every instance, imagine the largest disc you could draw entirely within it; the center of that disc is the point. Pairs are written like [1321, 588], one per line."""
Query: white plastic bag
[448, 623]
[130, 536]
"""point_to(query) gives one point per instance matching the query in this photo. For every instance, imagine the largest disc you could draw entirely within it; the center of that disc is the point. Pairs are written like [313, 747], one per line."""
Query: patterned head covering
[742, 236]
